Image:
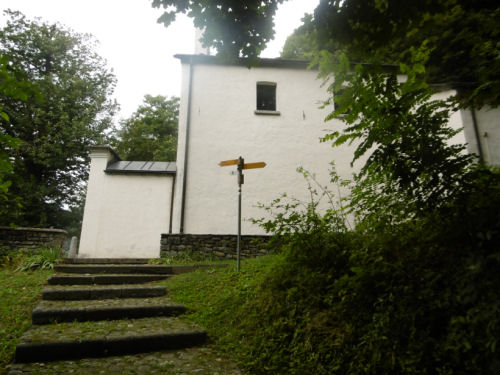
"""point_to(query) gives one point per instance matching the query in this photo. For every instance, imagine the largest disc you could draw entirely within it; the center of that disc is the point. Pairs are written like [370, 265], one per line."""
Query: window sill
[267, 113]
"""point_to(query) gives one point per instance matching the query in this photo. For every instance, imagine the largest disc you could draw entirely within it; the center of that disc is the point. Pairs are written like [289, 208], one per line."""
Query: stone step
[131, 268]
[99, 292]
[113, 268]
[105, 260]
[105, 279]
[47, 312]
[106, 338]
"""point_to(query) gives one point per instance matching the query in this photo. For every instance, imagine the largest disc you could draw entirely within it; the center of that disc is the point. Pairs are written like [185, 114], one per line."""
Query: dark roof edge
[284, 63]
[114, 171]
[261, 62]
[105, 148]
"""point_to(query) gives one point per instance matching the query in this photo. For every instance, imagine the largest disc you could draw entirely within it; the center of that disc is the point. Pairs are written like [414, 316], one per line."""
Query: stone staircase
[95, 308]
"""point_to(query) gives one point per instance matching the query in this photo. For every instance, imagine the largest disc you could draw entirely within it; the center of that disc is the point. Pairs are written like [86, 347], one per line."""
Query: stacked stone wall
[213, 246]
[31, 238]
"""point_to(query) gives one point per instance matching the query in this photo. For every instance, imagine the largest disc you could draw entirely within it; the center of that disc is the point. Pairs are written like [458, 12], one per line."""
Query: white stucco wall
[488, 128]
[125, 214]
[224, 126]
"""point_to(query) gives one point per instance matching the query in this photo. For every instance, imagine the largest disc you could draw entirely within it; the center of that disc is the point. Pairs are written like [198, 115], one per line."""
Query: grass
[176, 261]
[22, 276]
[19, 293]
[21, 290]
[220, 300]
[186, 258]
[216, 297]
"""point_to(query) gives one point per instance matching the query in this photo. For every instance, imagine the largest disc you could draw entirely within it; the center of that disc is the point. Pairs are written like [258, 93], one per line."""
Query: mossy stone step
[105, 260]
[48, 312]
[131, 268]
[113, 268]
[100, 292]
[103, 279]
[106, 338]
[96, 309]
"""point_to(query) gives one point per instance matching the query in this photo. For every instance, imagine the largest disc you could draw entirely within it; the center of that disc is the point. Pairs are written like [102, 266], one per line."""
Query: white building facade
[482, 133]
[269, 113]
[223, 116]
[127, 208]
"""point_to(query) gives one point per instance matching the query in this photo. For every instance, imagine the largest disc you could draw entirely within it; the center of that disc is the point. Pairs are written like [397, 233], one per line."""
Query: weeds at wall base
[30, 259]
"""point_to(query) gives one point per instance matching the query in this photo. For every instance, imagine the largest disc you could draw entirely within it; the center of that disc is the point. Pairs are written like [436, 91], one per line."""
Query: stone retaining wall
[31, 238]
[210, 246]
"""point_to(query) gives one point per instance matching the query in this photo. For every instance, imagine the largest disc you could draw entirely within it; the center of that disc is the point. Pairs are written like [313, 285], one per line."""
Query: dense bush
[420, 297]
[30, 259]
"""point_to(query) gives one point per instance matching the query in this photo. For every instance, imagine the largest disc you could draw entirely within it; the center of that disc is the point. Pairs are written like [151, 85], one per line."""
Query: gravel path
[192, 361]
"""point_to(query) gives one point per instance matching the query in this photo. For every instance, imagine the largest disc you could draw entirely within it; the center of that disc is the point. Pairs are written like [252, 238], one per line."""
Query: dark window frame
[266, 98]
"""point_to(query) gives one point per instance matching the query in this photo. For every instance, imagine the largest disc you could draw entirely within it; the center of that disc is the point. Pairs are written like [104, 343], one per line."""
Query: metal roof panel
[142, 167]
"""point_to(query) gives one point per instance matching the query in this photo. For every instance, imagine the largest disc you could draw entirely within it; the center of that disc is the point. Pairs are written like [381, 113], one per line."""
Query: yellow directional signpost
[226, 163]
[240, 162]
[260, 164]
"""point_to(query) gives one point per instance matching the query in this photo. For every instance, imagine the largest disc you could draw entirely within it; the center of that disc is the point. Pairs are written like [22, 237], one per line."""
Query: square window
[266, 96]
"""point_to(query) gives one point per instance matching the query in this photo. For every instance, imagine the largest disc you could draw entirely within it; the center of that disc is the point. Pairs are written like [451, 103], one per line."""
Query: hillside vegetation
[417, 297]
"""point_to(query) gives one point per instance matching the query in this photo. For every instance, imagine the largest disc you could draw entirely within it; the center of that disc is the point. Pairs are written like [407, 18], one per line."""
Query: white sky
[138, 49]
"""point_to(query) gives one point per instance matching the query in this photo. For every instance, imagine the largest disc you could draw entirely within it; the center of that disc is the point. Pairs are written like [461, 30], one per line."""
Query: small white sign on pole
[240, 163]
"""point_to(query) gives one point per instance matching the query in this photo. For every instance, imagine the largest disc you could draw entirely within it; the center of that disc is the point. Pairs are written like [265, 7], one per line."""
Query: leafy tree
[461, 37]
[405, 135]
[411, 167]
[151, 132]
[235, 28]
[343, 32]
[50, 165]
[302, 43]
[12, 85]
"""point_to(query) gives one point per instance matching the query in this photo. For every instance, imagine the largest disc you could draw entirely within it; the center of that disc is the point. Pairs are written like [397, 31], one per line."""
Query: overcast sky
[138, 49]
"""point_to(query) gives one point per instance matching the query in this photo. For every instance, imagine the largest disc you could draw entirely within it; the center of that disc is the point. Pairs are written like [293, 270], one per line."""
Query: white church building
[268, 113]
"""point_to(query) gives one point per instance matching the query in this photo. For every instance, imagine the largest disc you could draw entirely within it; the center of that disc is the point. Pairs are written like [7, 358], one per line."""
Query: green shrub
[417, 297]
[420, 297]
[43, 258]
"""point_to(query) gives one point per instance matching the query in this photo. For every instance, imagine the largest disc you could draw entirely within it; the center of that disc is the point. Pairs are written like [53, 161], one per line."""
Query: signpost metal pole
[240, 162]
[240, 181]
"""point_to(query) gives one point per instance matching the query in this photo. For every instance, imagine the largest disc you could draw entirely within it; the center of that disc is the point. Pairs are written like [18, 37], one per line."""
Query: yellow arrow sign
[226, 163]
[259, 164]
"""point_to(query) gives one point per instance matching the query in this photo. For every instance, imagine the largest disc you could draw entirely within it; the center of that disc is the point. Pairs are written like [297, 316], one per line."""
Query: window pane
[266, 97]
